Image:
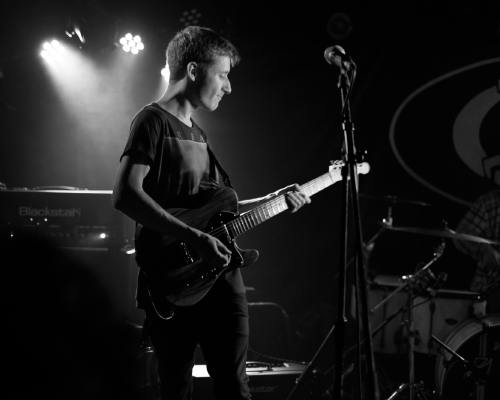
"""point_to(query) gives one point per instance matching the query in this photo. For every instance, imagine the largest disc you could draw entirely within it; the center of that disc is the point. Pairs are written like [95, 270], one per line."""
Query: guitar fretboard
[264, 212]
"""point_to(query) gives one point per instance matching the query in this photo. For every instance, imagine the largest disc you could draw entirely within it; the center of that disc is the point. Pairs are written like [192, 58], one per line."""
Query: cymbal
[444, 233]
[395, 200]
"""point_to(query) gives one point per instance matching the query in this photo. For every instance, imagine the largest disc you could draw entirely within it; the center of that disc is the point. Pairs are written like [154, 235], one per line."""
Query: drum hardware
[414, 391]
[478, 319]
[422, 280]
[386, 222]
[395, 200]
[368, 246]
[472, 372]
[404, 386]
[389, 319]
[470, 366]
[443, 233]
[432, 310]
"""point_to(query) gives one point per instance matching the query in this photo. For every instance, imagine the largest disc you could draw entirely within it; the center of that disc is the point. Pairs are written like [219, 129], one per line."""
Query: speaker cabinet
[266, 382]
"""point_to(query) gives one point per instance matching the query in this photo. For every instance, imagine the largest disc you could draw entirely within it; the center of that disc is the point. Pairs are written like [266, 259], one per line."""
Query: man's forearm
[139, 206]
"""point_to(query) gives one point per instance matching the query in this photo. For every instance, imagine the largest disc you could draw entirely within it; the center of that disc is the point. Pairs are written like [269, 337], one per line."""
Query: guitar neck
[266, 211]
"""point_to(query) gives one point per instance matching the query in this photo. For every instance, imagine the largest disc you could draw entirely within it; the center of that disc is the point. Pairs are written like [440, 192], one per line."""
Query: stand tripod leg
[398, 391]
[413, 389]
[419, 392]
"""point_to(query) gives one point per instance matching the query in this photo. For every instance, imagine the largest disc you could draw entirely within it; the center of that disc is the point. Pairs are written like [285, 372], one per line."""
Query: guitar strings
[245, 219]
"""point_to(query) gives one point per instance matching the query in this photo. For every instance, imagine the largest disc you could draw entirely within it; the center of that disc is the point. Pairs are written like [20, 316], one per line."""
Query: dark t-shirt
[182, 169]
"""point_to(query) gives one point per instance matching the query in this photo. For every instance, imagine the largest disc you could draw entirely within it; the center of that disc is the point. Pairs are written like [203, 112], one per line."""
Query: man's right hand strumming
[210, 249]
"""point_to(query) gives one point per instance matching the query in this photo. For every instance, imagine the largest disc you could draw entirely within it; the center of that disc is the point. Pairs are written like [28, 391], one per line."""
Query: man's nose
[227, 87]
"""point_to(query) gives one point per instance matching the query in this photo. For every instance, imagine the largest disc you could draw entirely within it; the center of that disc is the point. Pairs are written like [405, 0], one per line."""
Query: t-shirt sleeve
[144, 133]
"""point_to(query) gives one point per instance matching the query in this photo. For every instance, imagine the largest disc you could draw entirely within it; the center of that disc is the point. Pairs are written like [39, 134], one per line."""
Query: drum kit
[413, 314]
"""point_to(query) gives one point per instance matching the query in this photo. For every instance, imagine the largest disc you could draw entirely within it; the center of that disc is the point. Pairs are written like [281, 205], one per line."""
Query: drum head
[482, 348]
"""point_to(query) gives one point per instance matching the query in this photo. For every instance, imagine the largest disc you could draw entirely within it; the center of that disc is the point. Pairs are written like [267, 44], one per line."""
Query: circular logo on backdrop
[446, 134]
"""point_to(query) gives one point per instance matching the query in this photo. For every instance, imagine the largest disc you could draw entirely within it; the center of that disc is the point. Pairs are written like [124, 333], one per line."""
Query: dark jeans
[220, 325]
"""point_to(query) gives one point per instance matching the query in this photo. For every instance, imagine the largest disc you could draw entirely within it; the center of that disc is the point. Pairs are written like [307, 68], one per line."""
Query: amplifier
[73, 219]
[267, 381]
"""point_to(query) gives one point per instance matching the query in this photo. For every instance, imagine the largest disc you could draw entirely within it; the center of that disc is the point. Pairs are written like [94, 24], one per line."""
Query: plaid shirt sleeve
[482, 220]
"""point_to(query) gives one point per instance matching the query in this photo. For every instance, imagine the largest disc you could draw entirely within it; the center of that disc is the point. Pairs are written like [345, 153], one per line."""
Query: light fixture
[165, 72]
[132, 44]
[51, 50]
[191, 17]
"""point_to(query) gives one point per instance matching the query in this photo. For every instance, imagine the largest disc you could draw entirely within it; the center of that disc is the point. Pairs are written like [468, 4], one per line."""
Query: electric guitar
[175, 273]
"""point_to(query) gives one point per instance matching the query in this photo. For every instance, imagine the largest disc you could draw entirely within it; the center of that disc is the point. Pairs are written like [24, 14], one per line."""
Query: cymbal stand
[368, 246]
[414, 391]
[412, 278]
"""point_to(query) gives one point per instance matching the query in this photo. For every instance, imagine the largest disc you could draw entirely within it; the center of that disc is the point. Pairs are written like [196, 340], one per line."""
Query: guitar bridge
[207, 274]
[188, 258]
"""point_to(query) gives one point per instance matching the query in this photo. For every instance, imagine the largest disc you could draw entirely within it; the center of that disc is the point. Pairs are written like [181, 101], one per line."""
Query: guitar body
[173, 271]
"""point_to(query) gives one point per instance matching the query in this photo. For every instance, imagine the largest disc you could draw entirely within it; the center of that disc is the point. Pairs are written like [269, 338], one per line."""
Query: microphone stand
[350, 192]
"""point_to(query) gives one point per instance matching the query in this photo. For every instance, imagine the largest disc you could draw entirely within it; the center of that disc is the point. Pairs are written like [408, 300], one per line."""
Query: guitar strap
[160, 143]
[215, 163]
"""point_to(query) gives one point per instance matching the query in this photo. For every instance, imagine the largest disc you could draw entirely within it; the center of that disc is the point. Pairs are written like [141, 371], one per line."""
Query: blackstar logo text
[263, 389]
[49, 212]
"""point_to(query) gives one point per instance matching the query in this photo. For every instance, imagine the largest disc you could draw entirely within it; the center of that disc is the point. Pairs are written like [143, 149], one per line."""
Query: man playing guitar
[166, 171]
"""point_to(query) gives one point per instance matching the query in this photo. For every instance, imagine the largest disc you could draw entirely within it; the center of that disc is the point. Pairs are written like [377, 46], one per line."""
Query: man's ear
[192, 71]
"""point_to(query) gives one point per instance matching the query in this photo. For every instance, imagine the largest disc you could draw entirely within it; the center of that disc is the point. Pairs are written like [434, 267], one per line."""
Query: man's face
[214, 84]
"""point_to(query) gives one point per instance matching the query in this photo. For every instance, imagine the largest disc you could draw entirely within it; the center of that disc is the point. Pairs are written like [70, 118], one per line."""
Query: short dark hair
[200, 45]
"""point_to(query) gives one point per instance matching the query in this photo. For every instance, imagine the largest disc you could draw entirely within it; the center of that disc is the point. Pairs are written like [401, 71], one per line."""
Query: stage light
[191, 17]
[51, 50]
[165, 72]
[131, 43]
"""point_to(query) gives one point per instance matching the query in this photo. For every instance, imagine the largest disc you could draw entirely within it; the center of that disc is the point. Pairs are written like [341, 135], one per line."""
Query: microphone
[439, 250]
[336, 55]
[441, 279]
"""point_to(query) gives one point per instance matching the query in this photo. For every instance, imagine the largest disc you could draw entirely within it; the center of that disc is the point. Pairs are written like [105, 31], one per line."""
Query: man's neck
[175, 101]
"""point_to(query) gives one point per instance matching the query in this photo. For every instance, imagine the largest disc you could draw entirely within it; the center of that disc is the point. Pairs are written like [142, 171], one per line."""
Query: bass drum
[478, 341]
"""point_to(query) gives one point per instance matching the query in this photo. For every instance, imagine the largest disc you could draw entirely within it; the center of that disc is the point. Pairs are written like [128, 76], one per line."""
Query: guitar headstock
[336, 168]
